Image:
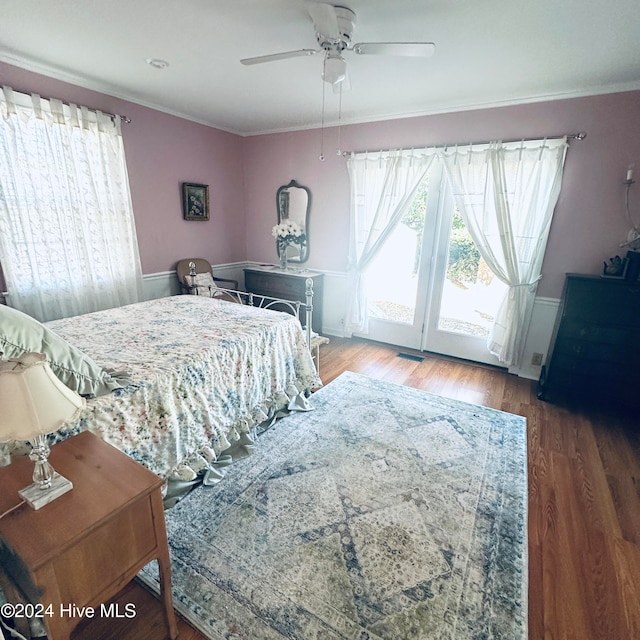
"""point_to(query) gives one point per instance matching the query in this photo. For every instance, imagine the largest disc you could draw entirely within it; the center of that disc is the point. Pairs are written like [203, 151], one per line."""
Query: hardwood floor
[584, 500]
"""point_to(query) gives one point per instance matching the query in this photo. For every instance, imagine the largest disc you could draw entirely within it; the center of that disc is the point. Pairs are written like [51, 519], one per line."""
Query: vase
[283, 257]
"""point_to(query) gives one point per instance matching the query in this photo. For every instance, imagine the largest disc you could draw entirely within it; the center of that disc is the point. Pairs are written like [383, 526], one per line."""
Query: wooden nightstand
[84, 547]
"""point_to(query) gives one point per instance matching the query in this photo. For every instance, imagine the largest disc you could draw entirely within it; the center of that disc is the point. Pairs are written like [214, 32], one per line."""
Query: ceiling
[488, 53]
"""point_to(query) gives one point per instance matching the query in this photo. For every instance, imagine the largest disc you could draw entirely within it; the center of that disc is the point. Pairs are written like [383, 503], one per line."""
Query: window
[67, 236]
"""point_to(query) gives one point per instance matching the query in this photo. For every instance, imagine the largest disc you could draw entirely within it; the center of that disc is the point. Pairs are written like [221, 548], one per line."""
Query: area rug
[385, 513]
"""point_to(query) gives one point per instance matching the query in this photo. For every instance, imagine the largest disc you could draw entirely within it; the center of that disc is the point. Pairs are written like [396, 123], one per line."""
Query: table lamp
[33, 403]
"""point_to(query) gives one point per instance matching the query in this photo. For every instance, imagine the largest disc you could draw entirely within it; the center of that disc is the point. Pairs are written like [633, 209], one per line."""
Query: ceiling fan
[334, 26]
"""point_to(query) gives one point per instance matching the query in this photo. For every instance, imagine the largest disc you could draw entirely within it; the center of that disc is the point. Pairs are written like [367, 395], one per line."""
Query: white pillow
[202, 284]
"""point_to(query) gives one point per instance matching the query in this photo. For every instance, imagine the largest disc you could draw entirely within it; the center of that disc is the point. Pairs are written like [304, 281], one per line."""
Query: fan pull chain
[339, 151]
[321, 157]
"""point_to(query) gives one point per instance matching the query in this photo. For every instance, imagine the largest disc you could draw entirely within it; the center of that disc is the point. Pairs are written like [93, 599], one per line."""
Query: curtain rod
[124, 119]
[581, 135]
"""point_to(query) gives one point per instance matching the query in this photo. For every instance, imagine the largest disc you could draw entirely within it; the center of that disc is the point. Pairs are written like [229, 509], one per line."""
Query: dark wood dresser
[288, 285]
[595, 347]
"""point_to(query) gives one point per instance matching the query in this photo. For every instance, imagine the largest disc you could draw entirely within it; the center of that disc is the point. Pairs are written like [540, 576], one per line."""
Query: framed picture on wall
[195, 201]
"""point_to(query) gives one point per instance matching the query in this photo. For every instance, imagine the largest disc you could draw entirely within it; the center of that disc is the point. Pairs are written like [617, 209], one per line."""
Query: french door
[428, 288]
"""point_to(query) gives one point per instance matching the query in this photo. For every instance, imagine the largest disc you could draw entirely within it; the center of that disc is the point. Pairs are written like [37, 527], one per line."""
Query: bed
[201, 374]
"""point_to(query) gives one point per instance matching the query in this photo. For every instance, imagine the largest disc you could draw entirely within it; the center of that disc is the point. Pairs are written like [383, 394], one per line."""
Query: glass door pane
[394, 279]
[465, 294]
[471, 293]
[428, 287]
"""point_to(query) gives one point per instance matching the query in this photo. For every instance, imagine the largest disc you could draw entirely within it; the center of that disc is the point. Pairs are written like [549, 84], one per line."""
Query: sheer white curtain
[506, 194]
[383, 186]
[67, 235]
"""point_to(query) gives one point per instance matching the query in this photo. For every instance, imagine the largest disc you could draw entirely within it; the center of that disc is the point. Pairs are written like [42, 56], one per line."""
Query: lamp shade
[33, 401]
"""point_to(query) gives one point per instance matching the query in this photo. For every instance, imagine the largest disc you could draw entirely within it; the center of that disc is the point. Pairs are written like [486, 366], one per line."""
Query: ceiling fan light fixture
[335, 69]
[334, 26]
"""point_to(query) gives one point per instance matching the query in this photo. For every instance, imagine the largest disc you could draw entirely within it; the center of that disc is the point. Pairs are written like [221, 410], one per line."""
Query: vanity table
[291, 285]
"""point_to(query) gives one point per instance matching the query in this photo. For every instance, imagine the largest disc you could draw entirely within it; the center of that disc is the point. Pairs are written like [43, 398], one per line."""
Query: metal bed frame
[265, 302]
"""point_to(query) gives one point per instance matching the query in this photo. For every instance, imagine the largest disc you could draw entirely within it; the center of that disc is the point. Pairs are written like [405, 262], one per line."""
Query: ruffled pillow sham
[20, 333]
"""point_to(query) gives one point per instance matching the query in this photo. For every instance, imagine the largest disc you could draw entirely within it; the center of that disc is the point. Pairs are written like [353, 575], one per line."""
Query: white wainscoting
[543, 320]
[334, 303]
[165, 283]
[160, 285]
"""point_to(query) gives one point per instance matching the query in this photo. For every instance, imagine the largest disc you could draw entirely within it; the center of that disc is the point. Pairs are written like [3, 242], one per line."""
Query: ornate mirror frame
[293, 202]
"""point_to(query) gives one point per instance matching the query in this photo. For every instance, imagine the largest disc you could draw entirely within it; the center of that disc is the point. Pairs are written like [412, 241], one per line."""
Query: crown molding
[36, 66]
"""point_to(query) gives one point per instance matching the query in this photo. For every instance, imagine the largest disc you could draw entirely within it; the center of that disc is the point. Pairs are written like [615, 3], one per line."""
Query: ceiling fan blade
[325, 19]
[416, 49]
[279, 56]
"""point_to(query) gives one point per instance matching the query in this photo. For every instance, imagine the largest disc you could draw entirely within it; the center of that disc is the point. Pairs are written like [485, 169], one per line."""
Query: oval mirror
[294, 203]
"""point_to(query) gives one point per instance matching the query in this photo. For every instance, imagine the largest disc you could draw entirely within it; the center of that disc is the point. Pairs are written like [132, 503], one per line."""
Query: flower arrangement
[286, 233]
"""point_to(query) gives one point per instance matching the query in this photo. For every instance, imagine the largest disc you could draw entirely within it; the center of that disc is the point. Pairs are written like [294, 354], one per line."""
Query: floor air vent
[410, 356]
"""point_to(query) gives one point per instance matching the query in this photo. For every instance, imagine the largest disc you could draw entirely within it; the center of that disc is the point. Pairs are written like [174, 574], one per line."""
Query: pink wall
[244, 174]
[162, 151]
[589, 221]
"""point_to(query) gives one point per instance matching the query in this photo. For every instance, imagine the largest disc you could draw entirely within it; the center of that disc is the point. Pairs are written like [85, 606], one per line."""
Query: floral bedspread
[203, 372]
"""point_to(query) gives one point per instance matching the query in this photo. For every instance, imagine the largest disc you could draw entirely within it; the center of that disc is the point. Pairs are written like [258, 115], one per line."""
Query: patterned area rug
[385, 513]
